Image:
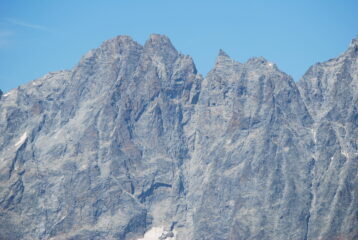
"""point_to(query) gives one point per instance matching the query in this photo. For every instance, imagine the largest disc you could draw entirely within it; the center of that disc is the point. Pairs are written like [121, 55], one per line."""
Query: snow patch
[7, 94]
[21, 140]
[156, 233]
[83, 167]
[314, 132]
[345, 154]
[153, 234]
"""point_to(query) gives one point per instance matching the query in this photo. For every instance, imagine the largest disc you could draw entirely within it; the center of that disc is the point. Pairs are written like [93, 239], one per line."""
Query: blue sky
[37, 37]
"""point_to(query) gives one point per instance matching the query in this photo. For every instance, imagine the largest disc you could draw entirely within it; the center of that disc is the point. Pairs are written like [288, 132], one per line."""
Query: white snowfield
[21, 140]
[6, 94]
[155, 233]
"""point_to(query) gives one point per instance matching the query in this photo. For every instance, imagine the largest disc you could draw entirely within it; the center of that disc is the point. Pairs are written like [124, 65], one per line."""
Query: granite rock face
[133, 143]
[330, 92]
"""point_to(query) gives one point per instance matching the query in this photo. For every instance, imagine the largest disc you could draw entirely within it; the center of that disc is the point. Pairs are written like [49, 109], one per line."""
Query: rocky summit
[134, 144]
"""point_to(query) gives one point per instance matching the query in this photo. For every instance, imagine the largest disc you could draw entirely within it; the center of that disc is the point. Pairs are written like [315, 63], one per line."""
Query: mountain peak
[222, 53]
[159, 41]
[354, 41]
[160, 45]
[124, 38]
[158, 37]
[353, 47]
[110, 49]
[223, 58]
[118, 40]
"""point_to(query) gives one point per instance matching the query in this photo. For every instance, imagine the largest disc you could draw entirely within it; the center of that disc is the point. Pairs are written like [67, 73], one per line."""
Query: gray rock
[133, 139]
[330, 91]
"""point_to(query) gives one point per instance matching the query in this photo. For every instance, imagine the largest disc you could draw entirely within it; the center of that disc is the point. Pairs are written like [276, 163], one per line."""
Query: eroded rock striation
[133, 143]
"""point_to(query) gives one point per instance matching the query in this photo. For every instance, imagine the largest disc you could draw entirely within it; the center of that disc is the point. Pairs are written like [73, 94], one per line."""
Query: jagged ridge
[133, 138]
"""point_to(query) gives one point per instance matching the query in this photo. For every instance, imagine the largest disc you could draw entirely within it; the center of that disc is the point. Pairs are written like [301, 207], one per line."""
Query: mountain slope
[134, 141]
[330, 91]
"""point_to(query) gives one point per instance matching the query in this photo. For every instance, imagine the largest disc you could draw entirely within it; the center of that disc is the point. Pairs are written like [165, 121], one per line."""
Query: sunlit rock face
[133, 143]
[330, 92]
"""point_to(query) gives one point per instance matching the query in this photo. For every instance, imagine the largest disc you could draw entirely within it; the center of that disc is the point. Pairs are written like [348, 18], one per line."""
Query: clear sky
[41, 36]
